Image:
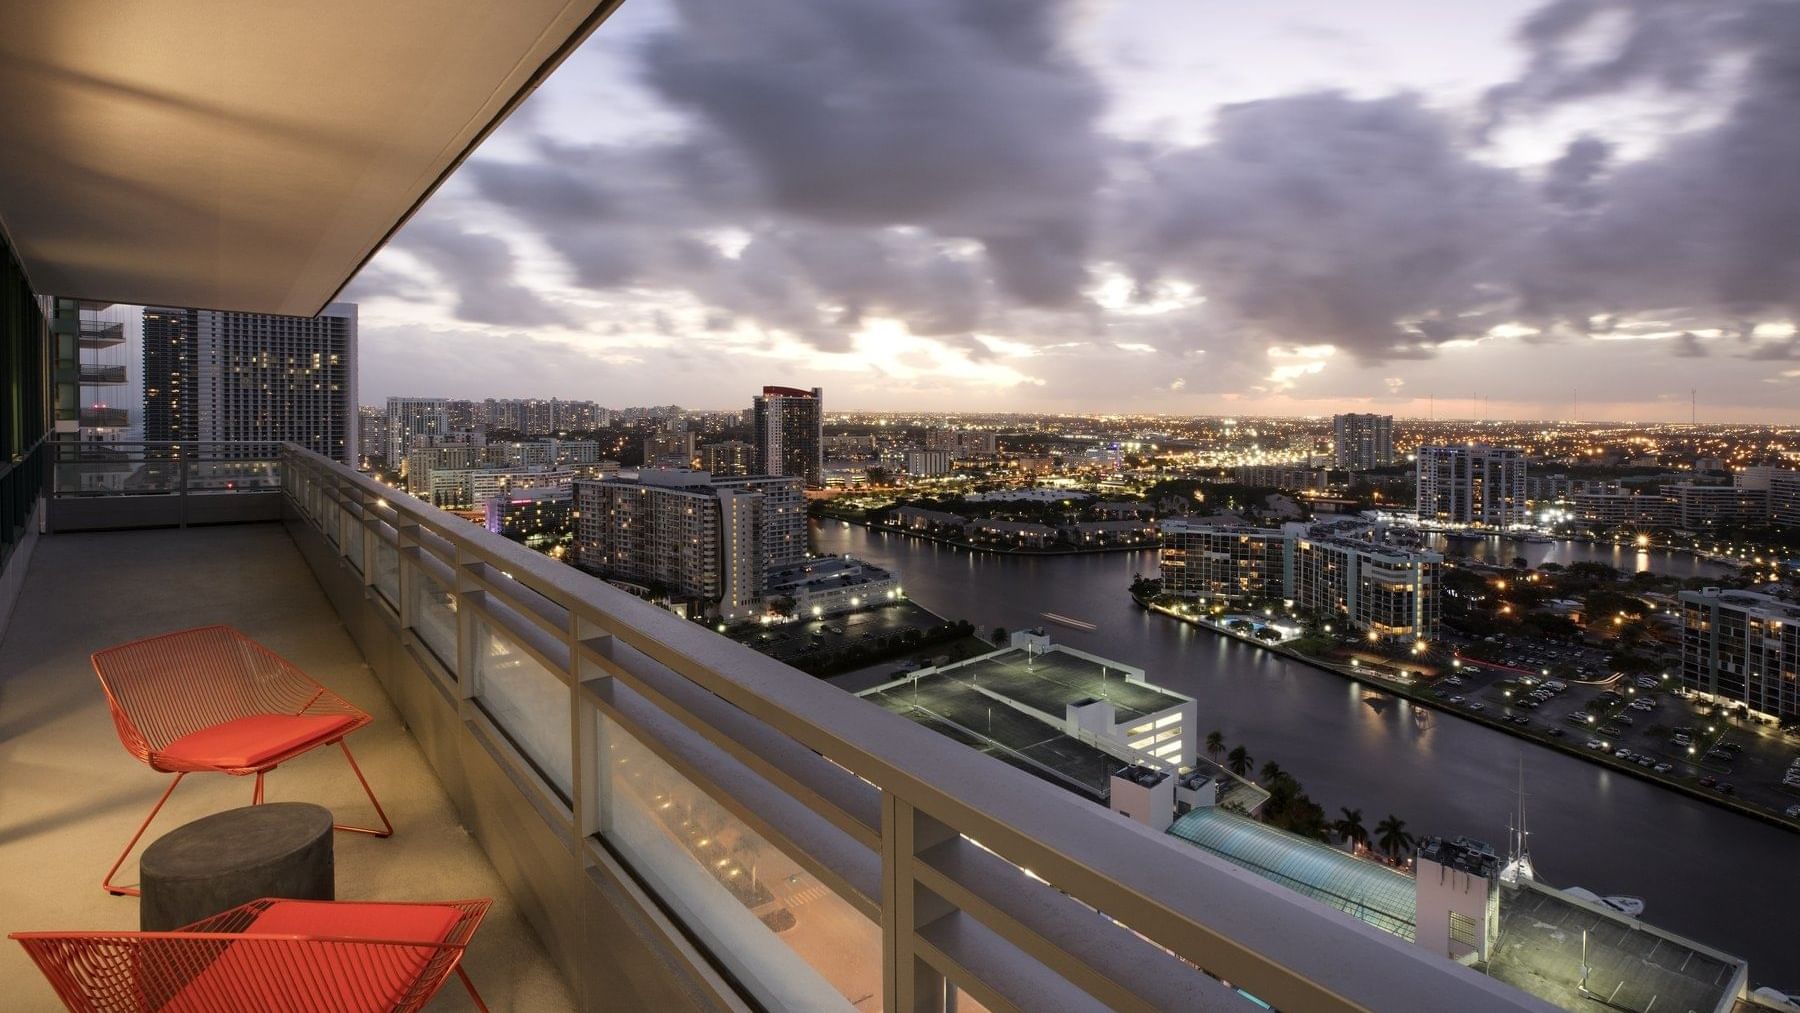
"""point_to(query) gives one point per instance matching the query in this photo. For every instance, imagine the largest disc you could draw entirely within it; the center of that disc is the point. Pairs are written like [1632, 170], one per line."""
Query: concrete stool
[278, 849]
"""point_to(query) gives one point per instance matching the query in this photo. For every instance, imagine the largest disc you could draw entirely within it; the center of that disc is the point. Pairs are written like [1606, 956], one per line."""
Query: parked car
[1664, 768]
[1708, 781]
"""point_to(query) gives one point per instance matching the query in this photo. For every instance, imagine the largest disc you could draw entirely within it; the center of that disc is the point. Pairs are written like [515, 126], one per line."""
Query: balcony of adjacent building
[102, 374]
[668, 819]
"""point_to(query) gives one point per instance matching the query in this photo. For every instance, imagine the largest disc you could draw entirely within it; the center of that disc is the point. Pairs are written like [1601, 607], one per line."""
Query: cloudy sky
[1179, 206]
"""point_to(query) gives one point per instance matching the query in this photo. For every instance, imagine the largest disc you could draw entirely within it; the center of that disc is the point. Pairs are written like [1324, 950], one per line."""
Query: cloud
[964, 117]
[478, 273]
[1323, 218]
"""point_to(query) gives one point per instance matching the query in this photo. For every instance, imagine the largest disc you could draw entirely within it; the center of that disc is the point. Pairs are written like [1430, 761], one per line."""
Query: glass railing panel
[788, 938]
[387, 564]
[526, 700]
[434, 618]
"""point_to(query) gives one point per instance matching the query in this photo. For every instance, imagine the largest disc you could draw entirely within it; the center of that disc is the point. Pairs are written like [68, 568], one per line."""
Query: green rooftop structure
[1375, 894]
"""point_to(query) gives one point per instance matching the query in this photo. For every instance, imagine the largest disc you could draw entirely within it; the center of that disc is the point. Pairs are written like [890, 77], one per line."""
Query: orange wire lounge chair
[301, 955]
[213, 699]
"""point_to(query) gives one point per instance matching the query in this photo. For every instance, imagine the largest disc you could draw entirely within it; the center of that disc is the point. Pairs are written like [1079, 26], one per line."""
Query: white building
[1742, 647]
[1474, 484]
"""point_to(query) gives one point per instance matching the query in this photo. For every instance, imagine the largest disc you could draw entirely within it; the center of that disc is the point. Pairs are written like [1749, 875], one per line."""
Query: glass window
[793, 942]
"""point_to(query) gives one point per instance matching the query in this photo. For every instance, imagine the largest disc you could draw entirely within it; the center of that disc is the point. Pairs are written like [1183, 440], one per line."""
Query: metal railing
[148, 483]
[975, 878]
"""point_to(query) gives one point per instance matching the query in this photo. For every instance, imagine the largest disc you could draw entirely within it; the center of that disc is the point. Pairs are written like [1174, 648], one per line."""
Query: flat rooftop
[954, 708]
[1630, 968]
[1051, 680]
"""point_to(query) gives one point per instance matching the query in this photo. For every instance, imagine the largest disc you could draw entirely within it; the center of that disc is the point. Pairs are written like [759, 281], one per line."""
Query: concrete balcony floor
[70, 795]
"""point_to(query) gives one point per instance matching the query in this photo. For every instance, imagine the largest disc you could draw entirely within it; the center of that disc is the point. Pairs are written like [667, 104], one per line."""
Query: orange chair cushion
[255, 740]
[294, 975]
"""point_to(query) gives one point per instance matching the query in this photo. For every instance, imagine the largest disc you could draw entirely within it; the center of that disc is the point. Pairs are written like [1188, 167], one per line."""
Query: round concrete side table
[278, 849]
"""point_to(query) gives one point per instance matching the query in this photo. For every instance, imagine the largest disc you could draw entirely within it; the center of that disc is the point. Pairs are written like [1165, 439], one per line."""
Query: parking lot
[1640, 721]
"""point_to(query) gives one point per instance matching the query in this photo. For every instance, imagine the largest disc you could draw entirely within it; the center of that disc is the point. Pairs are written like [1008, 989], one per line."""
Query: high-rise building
[412, 419]
[790, 433]
[1473, 484]
[678, 532]
[782, 525]
[1742, 647]
[1363, 440]
[730, 457]
[1343, 570]
[221, 377]
[672, 448]
[371, 430]
[1225, 562]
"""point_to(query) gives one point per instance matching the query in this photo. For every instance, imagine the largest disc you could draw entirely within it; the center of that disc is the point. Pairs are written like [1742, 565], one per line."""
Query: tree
[1271, 772]
[1391, 835]
[1215, 744]
[1350, 827]
[1240, 761]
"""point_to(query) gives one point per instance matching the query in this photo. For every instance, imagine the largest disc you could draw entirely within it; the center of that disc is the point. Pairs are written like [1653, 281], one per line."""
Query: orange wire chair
[337, 956]
[212, 699]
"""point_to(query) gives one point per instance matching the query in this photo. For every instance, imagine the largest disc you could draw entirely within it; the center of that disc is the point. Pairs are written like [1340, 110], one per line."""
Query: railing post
[909, 985]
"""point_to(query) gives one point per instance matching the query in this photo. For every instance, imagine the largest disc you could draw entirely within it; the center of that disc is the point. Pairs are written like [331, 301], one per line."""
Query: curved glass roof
[1373, 893]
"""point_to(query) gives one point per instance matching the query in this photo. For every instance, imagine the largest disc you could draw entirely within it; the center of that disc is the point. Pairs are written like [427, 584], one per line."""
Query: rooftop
[1630, 966]
[1048, 681]
[1373, 893]
[73, 795]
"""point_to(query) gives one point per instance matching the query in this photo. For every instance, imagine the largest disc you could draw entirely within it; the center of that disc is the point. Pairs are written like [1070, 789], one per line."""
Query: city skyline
[1135, 207]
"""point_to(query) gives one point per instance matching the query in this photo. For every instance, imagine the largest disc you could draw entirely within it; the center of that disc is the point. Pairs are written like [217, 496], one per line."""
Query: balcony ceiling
[247, 156]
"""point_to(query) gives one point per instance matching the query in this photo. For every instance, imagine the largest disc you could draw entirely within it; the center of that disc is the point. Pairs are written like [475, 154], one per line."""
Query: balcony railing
[146, 484]
[100, 375]
[105, 418]
[96, 334]
[792, 844]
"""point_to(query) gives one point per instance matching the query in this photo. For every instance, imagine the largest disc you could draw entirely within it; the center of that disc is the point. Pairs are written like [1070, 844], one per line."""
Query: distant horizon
[1311, 416]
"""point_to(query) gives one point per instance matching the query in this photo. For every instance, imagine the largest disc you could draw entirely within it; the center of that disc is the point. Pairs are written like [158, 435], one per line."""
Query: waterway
[1723, 879]
[1626, 558]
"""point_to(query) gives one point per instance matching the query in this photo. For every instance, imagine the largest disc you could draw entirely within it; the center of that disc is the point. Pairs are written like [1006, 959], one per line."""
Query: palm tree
[1240, 761]
[1271, 772]
[1391, 834]
[1215, 744]
[1350, 828]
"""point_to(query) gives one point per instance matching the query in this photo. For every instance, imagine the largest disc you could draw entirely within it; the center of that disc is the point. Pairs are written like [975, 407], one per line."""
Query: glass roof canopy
[1377, 895]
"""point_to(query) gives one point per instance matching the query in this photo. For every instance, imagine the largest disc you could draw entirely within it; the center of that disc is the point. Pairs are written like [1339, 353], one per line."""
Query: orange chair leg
[387, 827]
[474, 995]
[132, 891]
[256, 797]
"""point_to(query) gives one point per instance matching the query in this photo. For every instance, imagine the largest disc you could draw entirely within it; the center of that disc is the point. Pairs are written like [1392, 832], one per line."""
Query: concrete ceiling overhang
[247, 154]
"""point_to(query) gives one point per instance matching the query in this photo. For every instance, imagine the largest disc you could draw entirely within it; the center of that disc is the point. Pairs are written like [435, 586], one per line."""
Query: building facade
[411, 419]
[1344, 570]
[1222, 562]
[710, 541]
[1362, 441]
[790, 433]
[730, 457]
[221, 377]
[1742, 647]
[1474, 484]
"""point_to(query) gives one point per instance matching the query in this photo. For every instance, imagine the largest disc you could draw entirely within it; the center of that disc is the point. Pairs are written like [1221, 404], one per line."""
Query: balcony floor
[70, 795]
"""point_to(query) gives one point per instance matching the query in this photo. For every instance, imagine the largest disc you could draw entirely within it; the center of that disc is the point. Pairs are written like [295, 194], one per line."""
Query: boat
[1538, 540]
[1066, 621]
[1630, 907]
[1465, 536]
